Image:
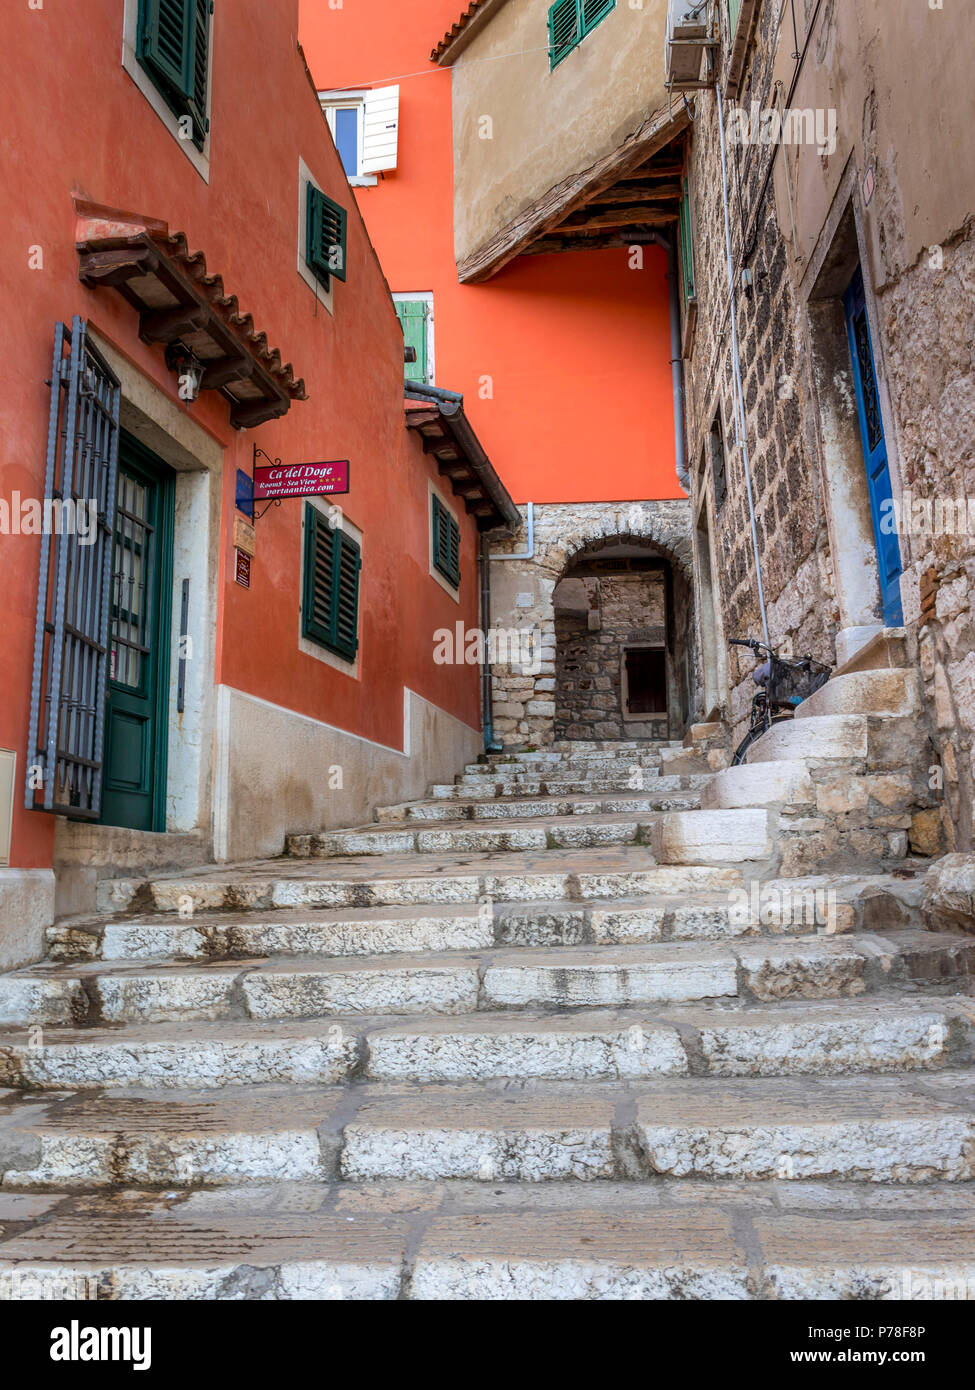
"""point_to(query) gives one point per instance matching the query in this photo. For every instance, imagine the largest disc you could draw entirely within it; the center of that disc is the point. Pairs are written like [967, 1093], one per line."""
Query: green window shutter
[564, 29]
[569, 21]
[173, 46]
[330, 605]
[325, 236]
[734, 10]
[593, 13]
[413, 314]
[446, 543]
[686, 243]
[197, 100]
[348, 566]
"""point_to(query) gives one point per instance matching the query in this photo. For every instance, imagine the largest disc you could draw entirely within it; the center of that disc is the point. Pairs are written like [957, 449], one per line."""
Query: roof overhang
[179, 301]
[446, 433]
[620, 200]
[459, 35]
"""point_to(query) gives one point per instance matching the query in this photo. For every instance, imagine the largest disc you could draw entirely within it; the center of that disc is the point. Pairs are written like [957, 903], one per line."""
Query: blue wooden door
[874, 452]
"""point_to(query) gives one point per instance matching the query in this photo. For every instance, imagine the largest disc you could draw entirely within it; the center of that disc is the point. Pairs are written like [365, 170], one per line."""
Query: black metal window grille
[67, 712]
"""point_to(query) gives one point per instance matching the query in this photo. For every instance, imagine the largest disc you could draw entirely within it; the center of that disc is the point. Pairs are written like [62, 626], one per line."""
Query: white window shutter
[380, 130]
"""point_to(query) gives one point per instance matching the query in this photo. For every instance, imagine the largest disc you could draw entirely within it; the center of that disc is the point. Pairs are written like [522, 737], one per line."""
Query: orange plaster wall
[73, 121]
[574, 349]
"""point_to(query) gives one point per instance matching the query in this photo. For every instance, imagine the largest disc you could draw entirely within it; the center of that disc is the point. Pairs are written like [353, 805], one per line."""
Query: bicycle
[783, 685]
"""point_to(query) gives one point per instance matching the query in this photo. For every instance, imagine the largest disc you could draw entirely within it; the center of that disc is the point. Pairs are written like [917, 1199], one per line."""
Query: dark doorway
[646, 680]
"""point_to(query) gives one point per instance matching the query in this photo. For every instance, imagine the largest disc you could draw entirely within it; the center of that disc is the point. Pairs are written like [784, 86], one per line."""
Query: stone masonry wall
[929, 321]
[588, 679]
[522, 593]
[792, 531]
[924, 350]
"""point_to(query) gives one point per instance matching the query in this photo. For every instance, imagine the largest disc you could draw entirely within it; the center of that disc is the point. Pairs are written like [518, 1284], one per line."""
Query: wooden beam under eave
[166, 325]
[614, 217]
[114, 268]
[556, 245]
[573, 193]
[246, 416]
[225, 370]
[665, 169]
[638, 193]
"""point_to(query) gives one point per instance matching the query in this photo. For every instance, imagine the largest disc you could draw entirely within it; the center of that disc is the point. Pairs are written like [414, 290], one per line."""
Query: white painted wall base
[26, 911]
[281, 773]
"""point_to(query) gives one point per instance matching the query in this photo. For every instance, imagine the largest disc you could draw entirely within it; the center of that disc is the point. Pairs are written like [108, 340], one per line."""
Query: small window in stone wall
[718, 467]
[646, 680]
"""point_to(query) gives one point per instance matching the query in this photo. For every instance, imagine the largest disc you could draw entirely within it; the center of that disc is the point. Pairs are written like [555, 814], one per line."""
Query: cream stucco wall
[520, 128]
[281, 773]
[874, 63]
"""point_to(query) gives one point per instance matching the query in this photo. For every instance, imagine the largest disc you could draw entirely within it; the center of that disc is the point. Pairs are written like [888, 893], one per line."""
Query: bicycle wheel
[753, 735]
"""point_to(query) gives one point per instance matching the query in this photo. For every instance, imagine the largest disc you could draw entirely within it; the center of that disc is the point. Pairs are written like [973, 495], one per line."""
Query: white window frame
[424, 297]
[349, 101]
[200, 159]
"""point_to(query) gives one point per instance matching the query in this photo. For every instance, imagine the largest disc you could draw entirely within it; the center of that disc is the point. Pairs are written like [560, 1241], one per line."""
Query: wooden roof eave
[177, 301]
[446, 435]
[544, 218]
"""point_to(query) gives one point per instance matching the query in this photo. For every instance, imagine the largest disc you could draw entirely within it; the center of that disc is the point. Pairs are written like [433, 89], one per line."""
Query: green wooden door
[136, 715]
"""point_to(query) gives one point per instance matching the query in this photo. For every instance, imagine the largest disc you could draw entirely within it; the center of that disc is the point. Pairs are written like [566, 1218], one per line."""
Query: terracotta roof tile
[456, 29]
[100, 227]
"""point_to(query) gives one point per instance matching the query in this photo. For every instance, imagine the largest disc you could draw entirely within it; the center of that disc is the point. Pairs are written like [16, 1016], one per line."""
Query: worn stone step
[665, 1039]
[711, 837]
[893, 693]
[862, 1129]
[785, 783]
[517, 1241]
[533, 808]
[180, 1056]
[775, 907]
[563, 767]
[243, 935]
[249, 1249]
[825, 1039]
[583, 745]
[578, 976]
[488, 837]
[857, 1129]
[145, 1138]
[401, 880]
[486, 789]
[873, 1129]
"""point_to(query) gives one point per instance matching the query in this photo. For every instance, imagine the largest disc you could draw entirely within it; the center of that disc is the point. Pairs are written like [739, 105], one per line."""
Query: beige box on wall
[8, 774]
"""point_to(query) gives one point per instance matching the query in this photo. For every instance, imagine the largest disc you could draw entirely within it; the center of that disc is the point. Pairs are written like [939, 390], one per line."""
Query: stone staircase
[600, 1021]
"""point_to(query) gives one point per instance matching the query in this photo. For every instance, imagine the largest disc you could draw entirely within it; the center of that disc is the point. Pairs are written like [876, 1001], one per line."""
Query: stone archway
[523, 596]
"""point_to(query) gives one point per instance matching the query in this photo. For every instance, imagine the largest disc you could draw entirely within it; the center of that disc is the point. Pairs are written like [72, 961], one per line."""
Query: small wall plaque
[242, 574]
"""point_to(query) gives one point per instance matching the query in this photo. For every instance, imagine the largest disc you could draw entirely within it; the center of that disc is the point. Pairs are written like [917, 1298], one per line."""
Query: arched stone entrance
[623, 664]
[580, 542]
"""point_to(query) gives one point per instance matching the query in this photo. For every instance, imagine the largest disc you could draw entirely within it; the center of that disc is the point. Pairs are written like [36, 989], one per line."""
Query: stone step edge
[872, 898]
[750, 971]
[620, 1139]
[625, 1043]
[578, 1250]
